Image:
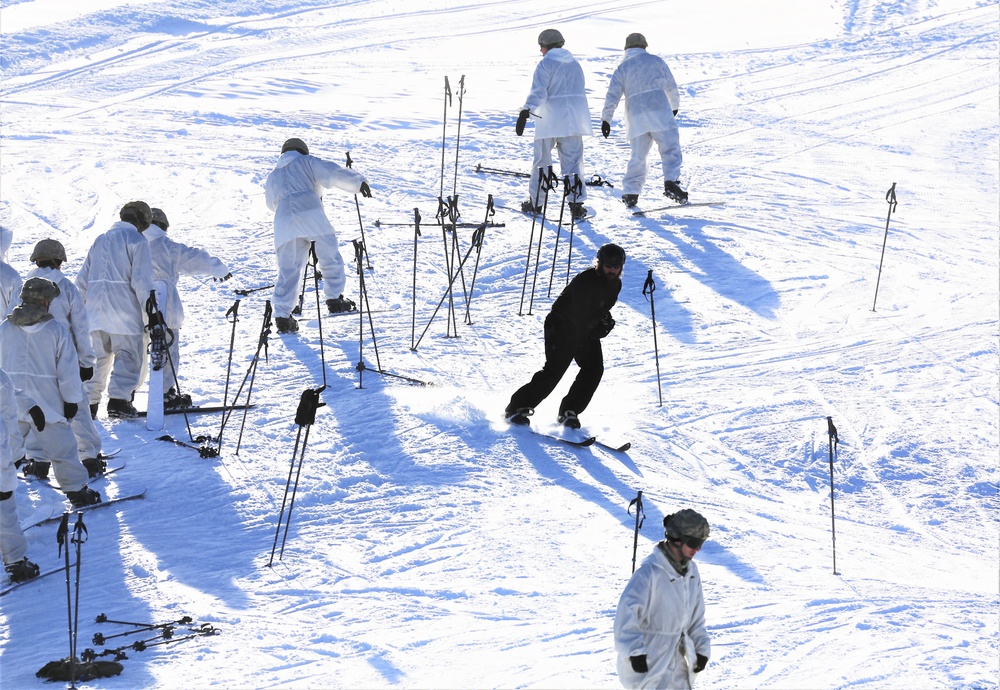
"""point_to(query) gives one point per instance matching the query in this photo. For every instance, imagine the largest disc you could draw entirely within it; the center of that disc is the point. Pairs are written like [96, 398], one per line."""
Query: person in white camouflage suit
[13, 545]
[651, 104]
[116, 280]
[293, 191]
[172, 259]
[69, 309]
[659, 626]
[38, 354]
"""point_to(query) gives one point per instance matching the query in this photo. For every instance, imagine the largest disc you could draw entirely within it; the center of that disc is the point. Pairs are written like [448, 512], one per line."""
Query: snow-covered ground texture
[429, 545]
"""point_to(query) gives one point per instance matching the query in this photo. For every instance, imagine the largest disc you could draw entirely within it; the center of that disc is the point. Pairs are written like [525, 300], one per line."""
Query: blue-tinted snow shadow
[551, 462]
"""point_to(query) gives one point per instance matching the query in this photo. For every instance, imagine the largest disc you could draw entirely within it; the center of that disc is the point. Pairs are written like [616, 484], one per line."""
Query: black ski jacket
[583, 304]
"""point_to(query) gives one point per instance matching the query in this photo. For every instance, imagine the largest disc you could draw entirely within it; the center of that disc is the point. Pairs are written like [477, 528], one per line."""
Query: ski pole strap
[649, 286]
[637, 502]
[349, 161]
[832, 431]
[890, 197]
[62, 534]
[305, 415]
[477, 238]
[80, 533]
[490, 209]
[232, 316]
[447, 90]
[416, 220]
[549, 179]
[453, 213]
[577, 186]
[442, 210]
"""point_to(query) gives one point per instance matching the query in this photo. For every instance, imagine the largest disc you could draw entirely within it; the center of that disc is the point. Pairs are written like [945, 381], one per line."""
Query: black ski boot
[119, 408]
[529, 207]
[288, 325]
[84, 497]
[672, 190]
[630, 200]
[172, 400]
[576, 208]
[37, 468]
[518, 416]
[569, 419]
[21, 570]
[340, 305]
[95, 466]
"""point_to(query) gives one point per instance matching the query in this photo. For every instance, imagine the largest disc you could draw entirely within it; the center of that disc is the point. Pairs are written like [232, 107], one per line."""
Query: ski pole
[577, 189]
[265, 330]
[416, 234]
[890, 197]
[249, 291]
[490, 212]
[458, 133]
[831, 430]
[477, 239]
[62, 537]
[357, 205]
[319, 324]
[305, 416]
[232, 316]
[499, 171]
[555, 252]
[637, 502]
[444, 130]
[551, 182]
[531, 242]
[647, 289]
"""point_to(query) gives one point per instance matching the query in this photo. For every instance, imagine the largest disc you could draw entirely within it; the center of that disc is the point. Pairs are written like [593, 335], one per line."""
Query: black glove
[522, 120]
[675, 113]
[639, 663]
[86, 373]
[605, 326]
[700, 663]
[70, 410]
[38, 417]
[224, 278]
[605, 128]
[366, 191]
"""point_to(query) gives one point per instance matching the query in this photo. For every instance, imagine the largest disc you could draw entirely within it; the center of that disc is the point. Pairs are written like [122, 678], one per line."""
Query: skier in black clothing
[580, 317]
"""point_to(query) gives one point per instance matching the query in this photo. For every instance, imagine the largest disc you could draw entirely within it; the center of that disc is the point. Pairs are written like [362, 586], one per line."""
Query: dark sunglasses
[691, 542]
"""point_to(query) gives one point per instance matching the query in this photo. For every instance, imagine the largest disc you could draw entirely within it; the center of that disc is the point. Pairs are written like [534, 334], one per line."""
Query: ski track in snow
[429, 545]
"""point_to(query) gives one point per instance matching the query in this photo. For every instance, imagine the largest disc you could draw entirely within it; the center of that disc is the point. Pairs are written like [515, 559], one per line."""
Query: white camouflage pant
[13, 545]
[292, 258]
[56, 444]
[121, 357]
[570, 150]
[669, 146]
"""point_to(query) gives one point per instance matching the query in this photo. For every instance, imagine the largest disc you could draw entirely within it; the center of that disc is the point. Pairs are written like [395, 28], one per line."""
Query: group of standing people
[558, 103]
[64, 342]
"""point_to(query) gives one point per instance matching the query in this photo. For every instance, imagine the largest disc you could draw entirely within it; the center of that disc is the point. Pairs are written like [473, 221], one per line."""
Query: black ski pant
[561, 348]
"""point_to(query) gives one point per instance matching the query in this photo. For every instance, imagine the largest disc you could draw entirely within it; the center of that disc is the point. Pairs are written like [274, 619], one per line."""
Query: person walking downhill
[69, 309]
[651, 102]
[115, 281]
[13, 545]
[37, 353]
[558, 101]
[579, 318]
[172, 259]
[659, 629]
[293, 191]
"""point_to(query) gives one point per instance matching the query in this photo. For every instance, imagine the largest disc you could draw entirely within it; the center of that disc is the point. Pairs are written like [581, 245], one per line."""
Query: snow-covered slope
[430, 546]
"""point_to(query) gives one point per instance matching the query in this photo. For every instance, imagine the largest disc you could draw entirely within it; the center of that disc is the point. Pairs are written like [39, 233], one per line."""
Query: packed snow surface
[431, 546]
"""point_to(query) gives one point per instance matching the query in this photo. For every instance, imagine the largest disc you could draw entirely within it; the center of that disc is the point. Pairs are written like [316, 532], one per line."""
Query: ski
[202, 409]
[11, 586]
[581, 443]
[498, 171]
[103, 504]
[30, 478]
[674, 207]
[618, 449]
